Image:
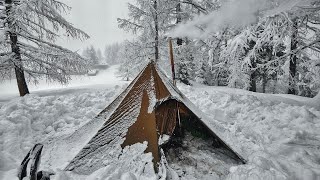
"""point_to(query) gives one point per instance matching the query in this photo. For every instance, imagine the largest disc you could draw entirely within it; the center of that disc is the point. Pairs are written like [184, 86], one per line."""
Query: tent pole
[178, 114]
[172, 61]
[174, 76]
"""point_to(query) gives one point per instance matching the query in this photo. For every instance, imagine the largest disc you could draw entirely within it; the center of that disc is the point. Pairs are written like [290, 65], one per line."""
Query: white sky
[98, 18]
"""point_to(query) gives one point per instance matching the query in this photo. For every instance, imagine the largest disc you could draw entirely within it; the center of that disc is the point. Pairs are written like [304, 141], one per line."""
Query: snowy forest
[273, 48]
[178, 90]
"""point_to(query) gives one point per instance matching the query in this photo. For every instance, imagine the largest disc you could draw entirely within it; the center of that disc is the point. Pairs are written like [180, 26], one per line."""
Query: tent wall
[144, 129]
[161, 90]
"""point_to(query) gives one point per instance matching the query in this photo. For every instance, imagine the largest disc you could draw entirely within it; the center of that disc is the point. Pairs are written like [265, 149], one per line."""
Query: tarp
[144, 111]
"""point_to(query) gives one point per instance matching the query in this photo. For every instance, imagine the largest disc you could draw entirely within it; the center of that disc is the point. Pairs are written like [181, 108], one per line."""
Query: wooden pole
[174, 82]
[172, 61]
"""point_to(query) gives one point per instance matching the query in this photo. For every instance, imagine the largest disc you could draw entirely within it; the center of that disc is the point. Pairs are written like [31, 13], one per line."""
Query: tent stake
[172, 61]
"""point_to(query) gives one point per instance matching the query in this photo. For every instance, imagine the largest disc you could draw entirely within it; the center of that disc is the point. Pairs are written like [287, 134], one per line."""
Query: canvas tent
[149, 107]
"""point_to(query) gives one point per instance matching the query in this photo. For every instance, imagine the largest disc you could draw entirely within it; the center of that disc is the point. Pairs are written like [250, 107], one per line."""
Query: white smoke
[233, 13]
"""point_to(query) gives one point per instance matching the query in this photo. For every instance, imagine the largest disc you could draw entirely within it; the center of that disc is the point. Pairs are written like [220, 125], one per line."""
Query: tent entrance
[185, 123]
[175, 119]
[192, 147]
[195, 158]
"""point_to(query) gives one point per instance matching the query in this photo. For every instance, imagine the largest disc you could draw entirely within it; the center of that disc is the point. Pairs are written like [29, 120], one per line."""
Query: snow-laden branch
[33, 26]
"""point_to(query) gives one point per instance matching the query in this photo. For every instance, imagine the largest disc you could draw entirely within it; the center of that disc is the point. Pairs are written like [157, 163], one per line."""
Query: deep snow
[278, 134]
[104, 79]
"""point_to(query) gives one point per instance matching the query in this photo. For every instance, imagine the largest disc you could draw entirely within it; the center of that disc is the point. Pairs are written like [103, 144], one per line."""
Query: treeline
[278, 53]
[110, 56]
[122, 53]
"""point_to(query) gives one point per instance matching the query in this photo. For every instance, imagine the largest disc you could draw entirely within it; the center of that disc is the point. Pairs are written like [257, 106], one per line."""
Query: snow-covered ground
[279, 135]
[104, 79]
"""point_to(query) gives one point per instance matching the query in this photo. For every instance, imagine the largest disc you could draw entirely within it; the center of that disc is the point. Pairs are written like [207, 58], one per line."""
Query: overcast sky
[98, 18]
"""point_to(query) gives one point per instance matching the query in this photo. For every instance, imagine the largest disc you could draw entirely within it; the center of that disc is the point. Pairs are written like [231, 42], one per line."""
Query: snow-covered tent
[150, 107]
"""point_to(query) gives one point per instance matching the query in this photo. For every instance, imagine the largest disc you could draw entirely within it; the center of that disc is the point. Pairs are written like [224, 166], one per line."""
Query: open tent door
[192, 123]
[175, 119]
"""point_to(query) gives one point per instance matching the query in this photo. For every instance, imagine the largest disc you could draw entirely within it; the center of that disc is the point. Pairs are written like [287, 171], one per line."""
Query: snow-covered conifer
[31, 29]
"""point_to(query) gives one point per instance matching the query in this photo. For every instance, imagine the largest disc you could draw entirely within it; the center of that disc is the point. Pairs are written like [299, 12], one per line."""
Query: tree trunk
[253, 77]
[156, 26]
[18, 67]
[264, 81]
[254, 74]
[265, 74]
[21, 81]
[293, 58]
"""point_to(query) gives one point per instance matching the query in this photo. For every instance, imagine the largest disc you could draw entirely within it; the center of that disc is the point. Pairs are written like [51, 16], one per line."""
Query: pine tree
[32, 26]
[130, 65]
[111, 53]
[99, 56]
[91, 56]
[185, 63]
[149, 20]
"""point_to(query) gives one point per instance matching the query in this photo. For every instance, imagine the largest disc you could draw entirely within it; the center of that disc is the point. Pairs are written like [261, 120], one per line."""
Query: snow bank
[131, 164]
[279, 134]
[279, 137]
[105, 79]
[33, 119]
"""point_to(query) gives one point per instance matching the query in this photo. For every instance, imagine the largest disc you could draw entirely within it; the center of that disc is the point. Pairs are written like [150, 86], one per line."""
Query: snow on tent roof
[135, 117]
